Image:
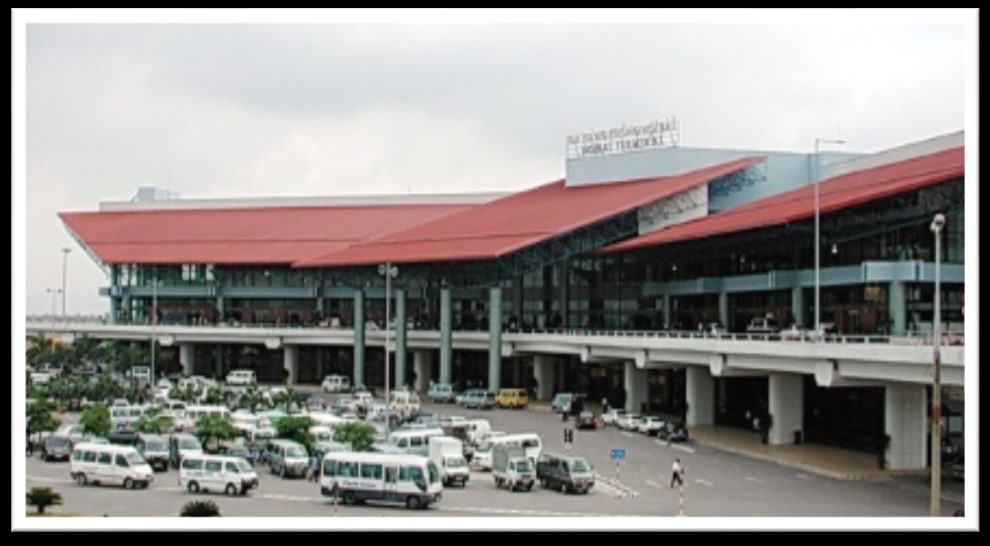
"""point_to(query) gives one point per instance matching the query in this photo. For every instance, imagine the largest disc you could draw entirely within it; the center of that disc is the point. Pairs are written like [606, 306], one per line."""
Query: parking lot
[716, 484]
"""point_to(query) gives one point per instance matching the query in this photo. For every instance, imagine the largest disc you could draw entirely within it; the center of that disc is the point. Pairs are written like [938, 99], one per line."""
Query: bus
[382, 477]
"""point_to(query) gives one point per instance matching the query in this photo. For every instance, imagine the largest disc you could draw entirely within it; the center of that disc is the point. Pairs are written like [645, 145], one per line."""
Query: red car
[586, 420]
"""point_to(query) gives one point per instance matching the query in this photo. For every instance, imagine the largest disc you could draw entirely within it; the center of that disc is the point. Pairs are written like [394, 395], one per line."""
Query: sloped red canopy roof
[836, 193]
[264, 235]
[519, 220]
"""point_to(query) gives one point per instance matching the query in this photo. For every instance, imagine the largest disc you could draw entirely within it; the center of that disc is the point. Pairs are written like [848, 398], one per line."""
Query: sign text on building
[627, 138]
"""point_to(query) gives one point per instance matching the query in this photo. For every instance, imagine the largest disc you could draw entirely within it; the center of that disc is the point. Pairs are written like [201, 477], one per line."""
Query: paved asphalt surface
[717, 484]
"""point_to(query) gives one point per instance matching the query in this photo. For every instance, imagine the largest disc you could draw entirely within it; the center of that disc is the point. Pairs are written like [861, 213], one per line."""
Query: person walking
[604, 404]
[676, 474]
[314, 468]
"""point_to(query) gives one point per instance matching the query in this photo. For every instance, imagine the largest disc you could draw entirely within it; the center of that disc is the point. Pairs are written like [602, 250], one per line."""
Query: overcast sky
[253, 110]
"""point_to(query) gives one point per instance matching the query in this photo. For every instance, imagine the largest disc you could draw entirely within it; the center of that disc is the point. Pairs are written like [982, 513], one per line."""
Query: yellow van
[511, 398]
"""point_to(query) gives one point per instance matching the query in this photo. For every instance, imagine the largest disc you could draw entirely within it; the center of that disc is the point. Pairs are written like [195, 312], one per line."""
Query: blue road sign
[618, 454]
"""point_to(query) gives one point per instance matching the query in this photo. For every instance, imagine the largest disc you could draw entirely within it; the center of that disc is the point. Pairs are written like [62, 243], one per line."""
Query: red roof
[519, 220]
[265, 235]
[836, 193]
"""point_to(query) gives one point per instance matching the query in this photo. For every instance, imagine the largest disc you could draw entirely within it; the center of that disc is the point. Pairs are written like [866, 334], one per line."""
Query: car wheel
[81, 478]
[349, 497]
[413, 503]
[193, 487]
[231, 490]
[128, 483]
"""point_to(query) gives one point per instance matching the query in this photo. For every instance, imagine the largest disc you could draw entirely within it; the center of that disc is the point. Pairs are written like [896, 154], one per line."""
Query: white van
[125, 416]
[232, 475]
[530, 442]
[404, 402]
[357, 477]
[195, 413]
[477, 430]
[414, 442]
[242, 377]
[336, 383]
[106, 463]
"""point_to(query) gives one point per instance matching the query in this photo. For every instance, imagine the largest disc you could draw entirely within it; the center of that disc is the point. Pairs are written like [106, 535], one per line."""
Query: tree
[358, 434]
[200, 509]
[212, 428]
[251, 399]
[286, 398]
[39, 418]
[187, 394]
[96, 420]
[154, 422]
[43, 497]
[216, 397]
[295, 428]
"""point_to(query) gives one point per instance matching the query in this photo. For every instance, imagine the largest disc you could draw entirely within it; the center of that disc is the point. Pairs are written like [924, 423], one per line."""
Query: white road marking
[617, 488]
[47, 479]
[679, 447]
[754, 480]
[703, 482]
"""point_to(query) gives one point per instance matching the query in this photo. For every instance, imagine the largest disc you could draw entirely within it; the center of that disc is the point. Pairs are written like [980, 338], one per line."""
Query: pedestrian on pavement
[314, 468]
[676, 474]
[604, 404]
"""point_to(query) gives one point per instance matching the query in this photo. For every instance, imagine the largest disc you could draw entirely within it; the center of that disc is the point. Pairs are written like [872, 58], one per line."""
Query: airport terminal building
[666, 278]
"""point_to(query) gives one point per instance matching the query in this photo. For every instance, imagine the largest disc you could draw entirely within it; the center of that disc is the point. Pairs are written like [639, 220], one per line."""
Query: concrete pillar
[423, 367]
[636, 387]
[221, 308]
[446, 337]
[290, 361]
[187, 358]
[668, 321]
[358, 337]
[723, 309]
[797, 306]
[128, 310]
[543, 371]
[495, 338]
[786, 407]
[906, 422]
[400, 338]
[700, 396]
[114, 300]
[897, 308]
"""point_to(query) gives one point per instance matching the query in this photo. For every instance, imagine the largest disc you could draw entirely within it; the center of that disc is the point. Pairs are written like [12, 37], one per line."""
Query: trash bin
[798, 437]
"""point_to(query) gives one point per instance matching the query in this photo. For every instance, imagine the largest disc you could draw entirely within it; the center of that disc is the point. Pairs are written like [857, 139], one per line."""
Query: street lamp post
[818, 222]
[54, 292]
[65, 254]
[389, 272]
[936, 425]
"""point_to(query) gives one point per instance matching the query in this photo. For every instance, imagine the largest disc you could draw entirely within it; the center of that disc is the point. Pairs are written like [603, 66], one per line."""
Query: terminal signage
[624, 139]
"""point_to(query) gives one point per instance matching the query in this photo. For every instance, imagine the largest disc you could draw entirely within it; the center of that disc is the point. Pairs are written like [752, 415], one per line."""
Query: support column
[290, 361]
[897, 308]
[636, 387]
[128, 310]
[446, 337]
[786, 407]
[358, 338]
[187, 358]
[114, 300]
[668, 323]
[700, 396]
[797, 306]
[400, 338]
[494, 338]
[423, 367]
[723, 309]
[906, 423]
[543, 371]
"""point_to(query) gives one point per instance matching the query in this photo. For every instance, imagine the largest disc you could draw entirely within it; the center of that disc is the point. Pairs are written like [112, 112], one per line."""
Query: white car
[242, 377]
[628, 421]
[612, 416]
[649, 425]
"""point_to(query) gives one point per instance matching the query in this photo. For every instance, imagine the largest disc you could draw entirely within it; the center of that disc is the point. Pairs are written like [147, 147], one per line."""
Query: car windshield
[578, 465]
[155, 445]
[295, 451]
[456, 462]
[57, 442]
[244, 466]
[189, 443]
[523, 466]
[134, 458]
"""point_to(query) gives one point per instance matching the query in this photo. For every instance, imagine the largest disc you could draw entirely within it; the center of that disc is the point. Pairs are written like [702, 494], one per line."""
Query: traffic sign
[618, 454]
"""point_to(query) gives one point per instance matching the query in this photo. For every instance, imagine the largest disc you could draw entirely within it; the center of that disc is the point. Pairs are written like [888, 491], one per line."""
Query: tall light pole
[389, 271]
[54, 292]
[936, 425]
[65, 254]
[818, 229]
[154, 323]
